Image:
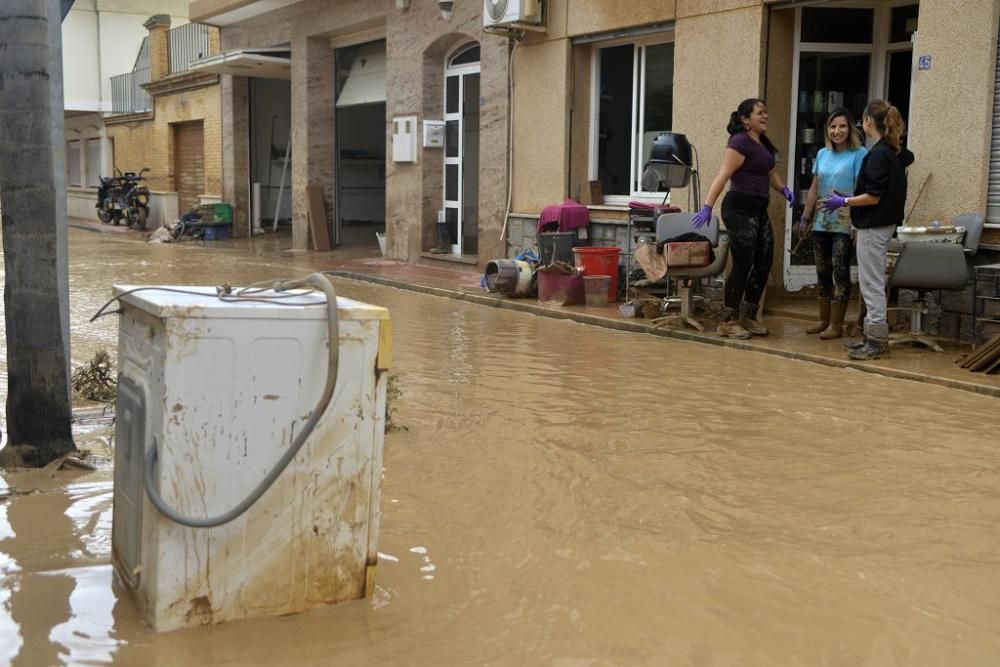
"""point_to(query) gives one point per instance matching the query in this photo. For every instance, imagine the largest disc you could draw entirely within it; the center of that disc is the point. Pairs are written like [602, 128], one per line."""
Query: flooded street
[572, 496]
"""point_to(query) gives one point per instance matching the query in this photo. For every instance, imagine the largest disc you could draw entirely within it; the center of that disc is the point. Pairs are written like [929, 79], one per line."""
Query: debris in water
[96, 379]
[392, 392]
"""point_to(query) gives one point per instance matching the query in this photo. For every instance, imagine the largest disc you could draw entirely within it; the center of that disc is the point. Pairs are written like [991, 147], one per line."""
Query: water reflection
[10, 635]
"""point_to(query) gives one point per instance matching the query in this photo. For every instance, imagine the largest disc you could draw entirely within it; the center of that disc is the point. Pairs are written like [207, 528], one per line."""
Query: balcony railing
[188, 42]
[127, 93]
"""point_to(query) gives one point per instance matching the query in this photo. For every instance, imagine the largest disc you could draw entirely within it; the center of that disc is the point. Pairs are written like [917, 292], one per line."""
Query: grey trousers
[872, 247]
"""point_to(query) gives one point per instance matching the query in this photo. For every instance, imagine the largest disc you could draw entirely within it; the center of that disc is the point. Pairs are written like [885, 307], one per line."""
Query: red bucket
[600, 261]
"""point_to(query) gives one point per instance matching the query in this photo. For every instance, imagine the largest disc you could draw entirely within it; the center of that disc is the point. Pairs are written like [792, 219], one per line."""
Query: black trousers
[751, 244]
[833, 252]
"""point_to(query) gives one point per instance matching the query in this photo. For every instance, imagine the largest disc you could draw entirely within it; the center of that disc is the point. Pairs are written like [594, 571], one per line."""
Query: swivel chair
[670, 225]
[927, 267]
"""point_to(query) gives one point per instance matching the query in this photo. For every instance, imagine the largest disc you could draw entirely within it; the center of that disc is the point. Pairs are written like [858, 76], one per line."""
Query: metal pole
[281, 186]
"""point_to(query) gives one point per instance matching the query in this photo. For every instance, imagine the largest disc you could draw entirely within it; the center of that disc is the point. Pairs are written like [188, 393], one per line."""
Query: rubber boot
[855, 344]
[824, 317]
[729, 327]
[748, 320]
[836, 328]
[874, 348]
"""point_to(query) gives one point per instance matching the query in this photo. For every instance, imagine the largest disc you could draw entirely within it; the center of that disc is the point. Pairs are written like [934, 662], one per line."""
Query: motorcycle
[124, 197]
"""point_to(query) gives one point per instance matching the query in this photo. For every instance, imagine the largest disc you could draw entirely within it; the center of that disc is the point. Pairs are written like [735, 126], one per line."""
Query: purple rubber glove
[702, 217]
[835, 202]
[789, 197]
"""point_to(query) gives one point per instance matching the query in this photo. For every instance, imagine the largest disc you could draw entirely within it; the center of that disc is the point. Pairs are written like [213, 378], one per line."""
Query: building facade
[100, 40]
[171, 123]
[552, 112]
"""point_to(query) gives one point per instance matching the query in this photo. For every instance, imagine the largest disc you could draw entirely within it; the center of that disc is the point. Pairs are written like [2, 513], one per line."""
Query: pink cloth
[569, 215]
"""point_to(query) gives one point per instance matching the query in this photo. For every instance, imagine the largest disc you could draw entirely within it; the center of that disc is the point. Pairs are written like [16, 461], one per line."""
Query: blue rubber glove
[835, 202]
[702, 217]
[789, 197]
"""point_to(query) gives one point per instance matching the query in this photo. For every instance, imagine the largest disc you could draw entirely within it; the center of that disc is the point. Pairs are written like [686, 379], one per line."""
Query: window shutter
[993, 191]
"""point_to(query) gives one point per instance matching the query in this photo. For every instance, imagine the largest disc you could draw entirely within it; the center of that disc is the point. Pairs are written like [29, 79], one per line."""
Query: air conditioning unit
[506, 12]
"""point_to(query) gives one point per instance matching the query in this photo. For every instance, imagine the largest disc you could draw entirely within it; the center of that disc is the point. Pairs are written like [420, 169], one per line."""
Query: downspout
[100, 66]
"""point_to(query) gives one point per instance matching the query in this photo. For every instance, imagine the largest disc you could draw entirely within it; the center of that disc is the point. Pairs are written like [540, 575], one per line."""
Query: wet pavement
[571, 496]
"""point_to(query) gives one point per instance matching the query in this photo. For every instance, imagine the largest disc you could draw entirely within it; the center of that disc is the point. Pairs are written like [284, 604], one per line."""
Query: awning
[365, 82]
[270, 63]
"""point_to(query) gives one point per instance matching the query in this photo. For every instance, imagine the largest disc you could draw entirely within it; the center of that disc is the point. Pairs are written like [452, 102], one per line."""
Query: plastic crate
[216, 232]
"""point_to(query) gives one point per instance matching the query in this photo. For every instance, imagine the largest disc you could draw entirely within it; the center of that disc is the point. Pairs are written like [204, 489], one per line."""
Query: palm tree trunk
[38, 406]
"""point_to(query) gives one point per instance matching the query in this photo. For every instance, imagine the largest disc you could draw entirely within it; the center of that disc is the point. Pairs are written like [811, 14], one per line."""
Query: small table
[987, 272]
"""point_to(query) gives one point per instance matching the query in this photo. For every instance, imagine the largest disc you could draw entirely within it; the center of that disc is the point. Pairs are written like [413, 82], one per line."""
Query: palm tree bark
[38, 405]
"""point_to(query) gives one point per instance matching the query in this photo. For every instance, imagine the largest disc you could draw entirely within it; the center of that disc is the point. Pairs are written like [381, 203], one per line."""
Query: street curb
[632, 327]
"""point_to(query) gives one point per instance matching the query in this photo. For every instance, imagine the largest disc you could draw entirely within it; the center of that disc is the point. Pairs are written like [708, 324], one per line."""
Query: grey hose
[316, 281]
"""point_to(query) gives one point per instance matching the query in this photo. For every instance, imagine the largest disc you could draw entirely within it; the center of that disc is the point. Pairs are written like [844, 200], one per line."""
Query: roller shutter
[189, 163]
[993, 191]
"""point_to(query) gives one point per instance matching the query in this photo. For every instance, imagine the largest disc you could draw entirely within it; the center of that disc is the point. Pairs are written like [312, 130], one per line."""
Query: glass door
[846, 53]
[827, 81]
[461, 150]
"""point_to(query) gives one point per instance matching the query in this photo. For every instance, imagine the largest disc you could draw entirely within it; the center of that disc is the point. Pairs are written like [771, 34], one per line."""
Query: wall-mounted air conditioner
[506, 12]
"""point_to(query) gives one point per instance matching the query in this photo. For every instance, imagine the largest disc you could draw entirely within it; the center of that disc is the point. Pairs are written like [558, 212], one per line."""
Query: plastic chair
[670, 225]
[927, 267]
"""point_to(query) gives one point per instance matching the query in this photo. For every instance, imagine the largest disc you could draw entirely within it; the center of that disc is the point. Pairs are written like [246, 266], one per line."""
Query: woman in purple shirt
[749, 166]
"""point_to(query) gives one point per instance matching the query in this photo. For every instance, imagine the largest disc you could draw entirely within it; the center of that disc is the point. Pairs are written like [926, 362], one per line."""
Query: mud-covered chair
[928, 267]
[671, 225]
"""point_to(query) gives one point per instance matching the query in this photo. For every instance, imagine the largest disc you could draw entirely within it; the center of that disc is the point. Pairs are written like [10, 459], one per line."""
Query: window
[633, 102]
[73, 176]
[842, 25]
[93, 162]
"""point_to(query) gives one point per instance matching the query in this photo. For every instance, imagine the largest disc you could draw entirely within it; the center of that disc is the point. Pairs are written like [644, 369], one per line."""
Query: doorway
[270, 152]
[461, 149]
[361, 140]
[845, 55]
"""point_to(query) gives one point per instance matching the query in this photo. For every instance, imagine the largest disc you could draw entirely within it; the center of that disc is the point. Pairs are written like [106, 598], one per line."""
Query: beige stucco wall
[707, 89]
[952, 108]
[593, 16]
[541, 127]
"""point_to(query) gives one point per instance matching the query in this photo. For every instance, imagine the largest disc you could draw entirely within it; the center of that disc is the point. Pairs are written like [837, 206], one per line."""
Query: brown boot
[729, 327]
[824, 317]
[836, 328]
[748, 320]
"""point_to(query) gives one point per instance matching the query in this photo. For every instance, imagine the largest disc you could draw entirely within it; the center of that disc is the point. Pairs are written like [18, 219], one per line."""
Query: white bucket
[510, 277]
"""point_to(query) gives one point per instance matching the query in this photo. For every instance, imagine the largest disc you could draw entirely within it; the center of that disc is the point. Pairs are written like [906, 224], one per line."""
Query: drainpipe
[100, 64]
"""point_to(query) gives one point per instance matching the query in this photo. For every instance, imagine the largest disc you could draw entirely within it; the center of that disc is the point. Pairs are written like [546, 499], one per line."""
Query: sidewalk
[786, 320]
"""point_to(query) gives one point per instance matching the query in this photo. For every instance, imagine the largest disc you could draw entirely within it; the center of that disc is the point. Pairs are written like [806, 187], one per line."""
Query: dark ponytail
[744, 110]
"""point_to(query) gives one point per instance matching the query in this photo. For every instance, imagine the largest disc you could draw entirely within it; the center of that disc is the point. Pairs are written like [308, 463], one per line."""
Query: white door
[461, 149]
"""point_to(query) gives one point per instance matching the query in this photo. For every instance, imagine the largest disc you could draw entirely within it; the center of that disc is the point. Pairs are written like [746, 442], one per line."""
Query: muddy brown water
[573, 496]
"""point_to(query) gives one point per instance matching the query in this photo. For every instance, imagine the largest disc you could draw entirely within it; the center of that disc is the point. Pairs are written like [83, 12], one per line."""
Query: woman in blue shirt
[835, 170]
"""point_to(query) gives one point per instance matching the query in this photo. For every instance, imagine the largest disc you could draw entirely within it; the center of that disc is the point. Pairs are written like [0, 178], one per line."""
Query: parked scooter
[124, 197]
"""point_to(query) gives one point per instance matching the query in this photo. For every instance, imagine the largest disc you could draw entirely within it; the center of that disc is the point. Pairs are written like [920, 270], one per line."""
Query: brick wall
[145, 141]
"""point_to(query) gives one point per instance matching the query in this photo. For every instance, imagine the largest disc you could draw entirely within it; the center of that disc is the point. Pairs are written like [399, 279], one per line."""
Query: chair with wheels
[927, 267]
[671, 225]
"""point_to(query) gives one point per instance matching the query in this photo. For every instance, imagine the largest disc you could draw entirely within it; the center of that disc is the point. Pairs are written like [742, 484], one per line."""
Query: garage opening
[270, 152]
[361, 141]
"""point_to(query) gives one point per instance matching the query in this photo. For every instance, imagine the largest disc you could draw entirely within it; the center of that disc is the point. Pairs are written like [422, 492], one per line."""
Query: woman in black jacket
[876, 209]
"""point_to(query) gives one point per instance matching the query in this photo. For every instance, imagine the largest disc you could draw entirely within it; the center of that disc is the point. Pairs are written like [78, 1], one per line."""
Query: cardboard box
[688, 253]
